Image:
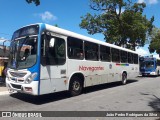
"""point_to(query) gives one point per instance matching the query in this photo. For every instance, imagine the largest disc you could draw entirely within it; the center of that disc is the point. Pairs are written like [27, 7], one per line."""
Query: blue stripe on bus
[41, 29]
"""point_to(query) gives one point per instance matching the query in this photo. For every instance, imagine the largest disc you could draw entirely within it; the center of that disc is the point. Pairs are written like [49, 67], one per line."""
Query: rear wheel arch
[76, 84]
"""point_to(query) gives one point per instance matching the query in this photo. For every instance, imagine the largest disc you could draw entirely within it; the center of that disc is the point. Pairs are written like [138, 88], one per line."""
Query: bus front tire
[124, 78]
[76, 86]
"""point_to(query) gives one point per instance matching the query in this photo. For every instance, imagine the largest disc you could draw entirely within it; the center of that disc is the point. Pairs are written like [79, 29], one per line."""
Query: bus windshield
[147, 64]
[23, 52]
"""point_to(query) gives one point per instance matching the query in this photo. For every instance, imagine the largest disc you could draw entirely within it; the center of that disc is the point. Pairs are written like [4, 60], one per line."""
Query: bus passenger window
[105, 53]
[75, 48]
[124, 57]
[135, 58]
[115, 55]
[130, 57]
[91, 51]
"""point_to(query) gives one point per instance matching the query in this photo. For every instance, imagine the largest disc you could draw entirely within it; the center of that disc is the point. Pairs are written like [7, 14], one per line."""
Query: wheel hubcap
[76, 86]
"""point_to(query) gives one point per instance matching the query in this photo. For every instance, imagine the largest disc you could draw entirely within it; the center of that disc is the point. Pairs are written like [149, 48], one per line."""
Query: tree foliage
[37, 2]
[155, 41]
[121, 22]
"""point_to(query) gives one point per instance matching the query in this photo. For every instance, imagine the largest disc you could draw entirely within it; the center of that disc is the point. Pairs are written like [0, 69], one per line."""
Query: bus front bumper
[31, 88]
[148, 73]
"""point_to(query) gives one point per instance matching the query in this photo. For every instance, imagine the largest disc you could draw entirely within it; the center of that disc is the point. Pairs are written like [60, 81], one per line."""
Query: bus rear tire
[124, 78]
[76, 86]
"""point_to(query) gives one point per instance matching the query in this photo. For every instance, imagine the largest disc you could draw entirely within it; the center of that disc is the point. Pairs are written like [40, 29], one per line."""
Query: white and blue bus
[149, 66]
[46, 59]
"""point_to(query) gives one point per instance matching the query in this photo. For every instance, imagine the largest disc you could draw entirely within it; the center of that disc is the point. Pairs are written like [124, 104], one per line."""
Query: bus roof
[76, 35]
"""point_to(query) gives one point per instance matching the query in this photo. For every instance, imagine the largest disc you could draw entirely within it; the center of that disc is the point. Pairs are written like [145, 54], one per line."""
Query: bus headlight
[31, 78]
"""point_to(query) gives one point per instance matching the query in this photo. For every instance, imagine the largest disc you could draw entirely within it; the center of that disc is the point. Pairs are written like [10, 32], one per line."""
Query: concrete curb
[4, 93]
[4, 90]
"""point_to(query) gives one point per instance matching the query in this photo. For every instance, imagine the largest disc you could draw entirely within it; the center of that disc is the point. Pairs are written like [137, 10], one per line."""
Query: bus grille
[18, 74]
[16, 86]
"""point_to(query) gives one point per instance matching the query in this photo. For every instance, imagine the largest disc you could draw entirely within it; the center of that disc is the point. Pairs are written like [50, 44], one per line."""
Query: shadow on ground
[106, 86]
[42, 99]
[154, 103]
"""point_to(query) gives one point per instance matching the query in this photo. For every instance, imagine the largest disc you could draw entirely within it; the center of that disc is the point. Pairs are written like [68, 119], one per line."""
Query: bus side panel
[52, 79]
[113, 72]
[133, 71]
[93, 71]
[97, 72]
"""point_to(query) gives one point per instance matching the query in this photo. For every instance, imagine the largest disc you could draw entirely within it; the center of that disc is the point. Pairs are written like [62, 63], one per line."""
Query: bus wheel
[124, 78]
[75, 87]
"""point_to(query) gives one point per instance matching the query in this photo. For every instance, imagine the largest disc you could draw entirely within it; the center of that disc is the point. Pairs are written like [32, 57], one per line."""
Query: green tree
[121, 22]
[155, 41]
[37, 2]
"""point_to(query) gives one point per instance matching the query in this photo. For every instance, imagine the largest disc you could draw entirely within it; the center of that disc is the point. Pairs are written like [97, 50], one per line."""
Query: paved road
[140, 94]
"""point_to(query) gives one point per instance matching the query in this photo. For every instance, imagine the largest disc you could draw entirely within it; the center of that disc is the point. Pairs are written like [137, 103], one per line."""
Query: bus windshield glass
[147, 64]
[23, 52]
[23, 47]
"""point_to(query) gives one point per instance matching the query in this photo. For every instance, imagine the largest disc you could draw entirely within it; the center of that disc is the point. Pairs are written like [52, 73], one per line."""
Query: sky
[65, 13]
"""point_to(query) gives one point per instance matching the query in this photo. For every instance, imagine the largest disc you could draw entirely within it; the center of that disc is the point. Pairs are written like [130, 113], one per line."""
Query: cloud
[46, 16]
[148, 1]
[153, 1]
[140, 1]
[142, 52]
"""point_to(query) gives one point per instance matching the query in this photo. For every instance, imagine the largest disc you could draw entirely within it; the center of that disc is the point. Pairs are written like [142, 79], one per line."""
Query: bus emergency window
[91, 51]
[124, 58]
[75, 48]
[135, 59]
[105, 53]
[115, 55]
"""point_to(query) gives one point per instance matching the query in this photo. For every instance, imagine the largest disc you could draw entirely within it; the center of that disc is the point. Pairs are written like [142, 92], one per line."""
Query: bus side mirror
[51, 42]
